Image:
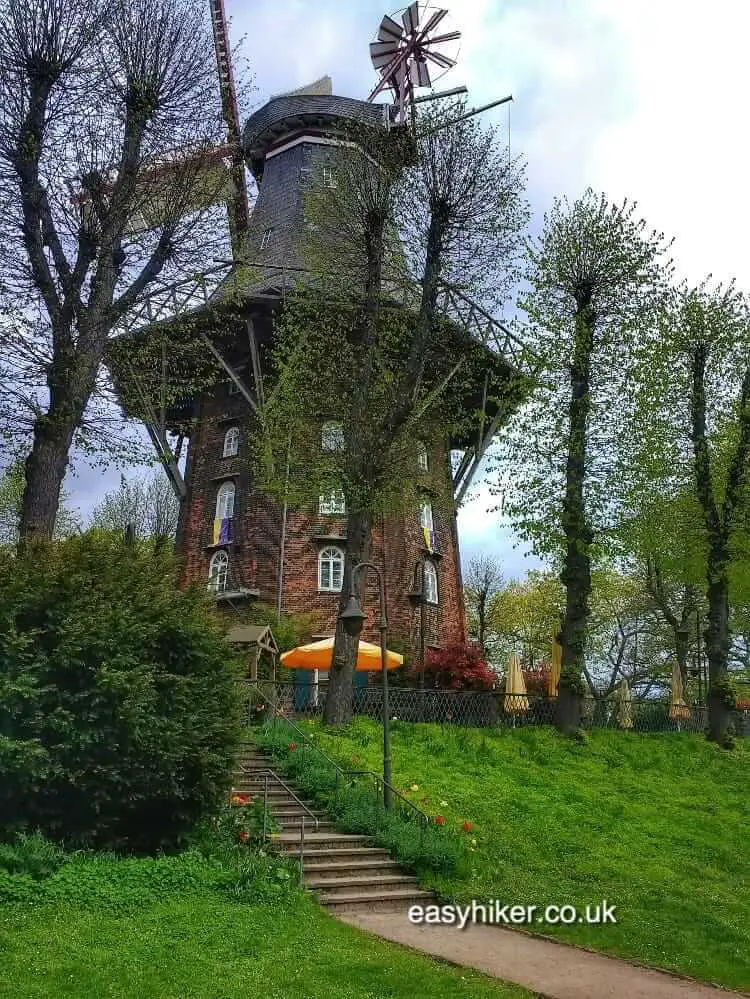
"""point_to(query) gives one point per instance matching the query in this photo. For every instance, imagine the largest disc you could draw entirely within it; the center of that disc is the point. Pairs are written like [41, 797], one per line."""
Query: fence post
[265, 804]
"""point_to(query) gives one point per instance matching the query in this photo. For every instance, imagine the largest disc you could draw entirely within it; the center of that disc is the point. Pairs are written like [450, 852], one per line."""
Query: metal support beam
[255, 360]
[233, 375]
[469, 468]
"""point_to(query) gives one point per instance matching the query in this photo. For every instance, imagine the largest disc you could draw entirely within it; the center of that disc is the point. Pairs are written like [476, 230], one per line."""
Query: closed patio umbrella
[624, 705]
[678, 709]
[554, 669]
[516, 701]
[319, 655]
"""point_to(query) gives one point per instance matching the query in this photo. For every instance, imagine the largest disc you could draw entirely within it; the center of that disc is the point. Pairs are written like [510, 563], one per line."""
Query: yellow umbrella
[319, 655]
[554, 669]
[624, 705]
[678, 708]
[516, 701]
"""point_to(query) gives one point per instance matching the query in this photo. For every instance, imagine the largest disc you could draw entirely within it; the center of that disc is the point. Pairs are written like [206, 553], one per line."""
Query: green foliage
[590, 250]
[34, 871]
[118, 710]
[356, 806]
[656, 824]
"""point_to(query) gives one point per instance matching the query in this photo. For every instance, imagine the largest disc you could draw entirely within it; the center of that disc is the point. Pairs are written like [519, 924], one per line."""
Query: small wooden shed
[258, 640]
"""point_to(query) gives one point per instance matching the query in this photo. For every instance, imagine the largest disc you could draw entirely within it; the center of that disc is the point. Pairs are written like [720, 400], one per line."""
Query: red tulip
[292, 746]
[468, 826]
[243, 836]
[439, 820]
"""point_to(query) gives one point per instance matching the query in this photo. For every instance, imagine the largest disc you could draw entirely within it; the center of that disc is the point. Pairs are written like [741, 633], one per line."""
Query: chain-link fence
[490, 709]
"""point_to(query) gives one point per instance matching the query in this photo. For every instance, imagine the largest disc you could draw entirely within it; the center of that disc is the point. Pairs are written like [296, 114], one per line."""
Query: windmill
[404, 53]
[409, 54]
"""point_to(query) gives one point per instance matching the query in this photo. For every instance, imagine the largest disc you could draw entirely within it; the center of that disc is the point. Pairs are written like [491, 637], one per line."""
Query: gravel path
[556, 970]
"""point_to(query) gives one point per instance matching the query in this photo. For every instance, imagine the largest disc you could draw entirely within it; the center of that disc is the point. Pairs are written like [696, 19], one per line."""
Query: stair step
[321, 839]
[344, 854]
[373, 899]
[352, 868]
[375, 882]
[291, 813]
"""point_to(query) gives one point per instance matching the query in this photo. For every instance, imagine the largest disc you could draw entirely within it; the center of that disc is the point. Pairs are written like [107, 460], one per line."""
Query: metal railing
[494, 709]
[277, 715]
[266, 773]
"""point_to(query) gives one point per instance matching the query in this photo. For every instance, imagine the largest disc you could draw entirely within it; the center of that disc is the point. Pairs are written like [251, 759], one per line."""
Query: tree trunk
[45, 469]
[717, 647]
[338, 708]
[576, 573]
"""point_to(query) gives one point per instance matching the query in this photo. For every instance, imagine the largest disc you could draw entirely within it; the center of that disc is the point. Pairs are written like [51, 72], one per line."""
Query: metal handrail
[423, 817]
[267, 771]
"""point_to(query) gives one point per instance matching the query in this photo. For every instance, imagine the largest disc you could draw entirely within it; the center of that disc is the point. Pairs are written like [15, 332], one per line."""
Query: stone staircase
[344, 870]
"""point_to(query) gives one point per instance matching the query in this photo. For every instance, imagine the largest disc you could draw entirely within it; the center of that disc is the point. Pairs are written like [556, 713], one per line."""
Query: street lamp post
[417, 597]
[353, 618]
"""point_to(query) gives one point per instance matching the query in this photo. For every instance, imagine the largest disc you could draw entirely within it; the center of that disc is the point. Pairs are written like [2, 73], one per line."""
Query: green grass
[656, 824]
[215, 922]
[208, 948]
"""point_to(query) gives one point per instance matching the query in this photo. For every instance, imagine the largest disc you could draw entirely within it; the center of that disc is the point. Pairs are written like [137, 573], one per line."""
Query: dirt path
[556, 970]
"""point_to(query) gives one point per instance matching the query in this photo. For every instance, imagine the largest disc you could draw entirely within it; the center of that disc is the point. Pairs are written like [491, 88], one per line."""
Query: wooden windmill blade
[238, 206]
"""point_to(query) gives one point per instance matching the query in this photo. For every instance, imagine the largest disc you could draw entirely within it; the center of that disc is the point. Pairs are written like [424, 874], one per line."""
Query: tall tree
[594, 275]
[95, 99]
[483, 580]
[694, 413]
[442, 210]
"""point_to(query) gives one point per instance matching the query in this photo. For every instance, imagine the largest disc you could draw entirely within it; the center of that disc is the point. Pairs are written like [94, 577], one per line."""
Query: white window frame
[332, 504]
[430, 583]
[426, 520]
[423, 458]
[332, 435]
[265, 239]
[328, 558]
[328, 178]
[231, 443]
[218, 572]
[225, 500]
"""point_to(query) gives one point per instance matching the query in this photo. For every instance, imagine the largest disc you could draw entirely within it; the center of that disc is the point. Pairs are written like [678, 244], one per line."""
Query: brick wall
[397, 543]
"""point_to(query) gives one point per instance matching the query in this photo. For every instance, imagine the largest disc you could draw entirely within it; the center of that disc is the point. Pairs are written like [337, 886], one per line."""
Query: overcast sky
[645, 100]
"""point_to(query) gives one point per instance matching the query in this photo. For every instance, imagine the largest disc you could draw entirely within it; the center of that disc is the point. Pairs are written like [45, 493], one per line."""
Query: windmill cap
[291, 114]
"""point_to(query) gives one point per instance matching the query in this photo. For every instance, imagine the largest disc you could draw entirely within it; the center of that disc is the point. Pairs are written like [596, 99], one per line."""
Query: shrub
[91, 880]
[458, 666]
[119, 720]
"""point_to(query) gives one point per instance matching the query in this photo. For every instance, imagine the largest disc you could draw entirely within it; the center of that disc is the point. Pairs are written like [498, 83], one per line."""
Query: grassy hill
[656, 824]
[130, 929]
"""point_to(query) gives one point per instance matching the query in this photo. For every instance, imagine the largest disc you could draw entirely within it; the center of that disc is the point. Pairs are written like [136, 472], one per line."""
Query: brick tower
[242, 545]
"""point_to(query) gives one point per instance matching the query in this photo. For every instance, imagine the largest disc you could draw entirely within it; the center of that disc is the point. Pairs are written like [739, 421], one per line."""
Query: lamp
[353, 617]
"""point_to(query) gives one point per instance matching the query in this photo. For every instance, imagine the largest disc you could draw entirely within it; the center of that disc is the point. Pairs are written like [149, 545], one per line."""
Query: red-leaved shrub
[459, 666]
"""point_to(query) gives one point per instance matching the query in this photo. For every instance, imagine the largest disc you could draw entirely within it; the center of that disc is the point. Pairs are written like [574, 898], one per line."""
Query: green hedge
[119, 714]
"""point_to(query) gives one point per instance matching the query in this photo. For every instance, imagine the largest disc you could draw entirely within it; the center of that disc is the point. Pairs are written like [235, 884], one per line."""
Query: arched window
[231, 442]
[332, 436]
[423, 459]
[218, 572]
[225, 501]
[430, 583]
[332, 503]
[331, 570]
[425, 516]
